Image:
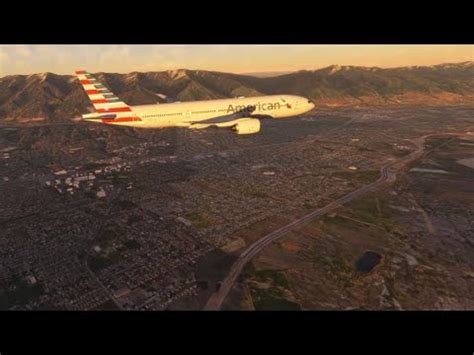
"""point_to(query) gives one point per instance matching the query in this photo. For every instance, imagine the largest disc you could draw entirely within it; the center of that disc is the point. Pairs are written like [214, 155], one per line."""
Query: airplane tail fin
[103, 100]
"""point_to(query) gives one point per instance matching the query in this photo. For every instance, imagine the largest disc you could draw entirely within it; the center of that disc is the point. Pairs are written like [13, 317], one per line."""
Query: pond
[368, 261]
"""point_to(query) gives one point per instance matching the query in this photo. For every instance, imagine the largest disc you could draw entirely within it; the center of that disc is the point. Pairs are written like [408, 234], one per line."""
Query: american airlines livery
[240, 114]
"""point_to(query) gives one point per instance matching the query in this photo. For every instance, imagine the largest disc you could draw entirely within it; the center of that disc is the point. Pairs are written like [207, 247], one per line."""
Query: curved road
[387, 173]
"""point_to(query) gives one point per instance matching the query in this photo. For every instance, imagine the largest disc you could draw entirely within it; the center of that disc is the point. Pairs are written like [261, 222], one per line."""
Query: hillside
[58, 97]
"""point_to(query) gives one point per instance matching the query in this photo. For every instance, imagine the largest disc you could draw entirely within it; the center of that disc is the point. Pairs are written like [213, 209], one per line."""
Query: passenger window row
[163, 115]
[209, 111]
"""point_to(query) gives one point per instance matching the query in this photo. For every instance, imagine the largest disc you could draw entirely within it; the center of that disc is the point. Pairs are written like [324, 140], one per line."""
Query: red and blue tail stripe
[104, 101]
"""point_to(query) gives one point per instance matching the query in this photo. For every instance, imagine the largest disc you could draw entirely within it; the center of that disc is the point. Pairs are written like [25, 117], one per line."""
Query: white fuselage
[185, 114]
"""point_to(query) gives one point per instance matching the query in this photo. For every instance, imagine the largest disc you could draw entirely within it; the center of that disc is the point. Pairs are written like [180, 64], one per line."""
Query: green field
[269, 298]
[369, 210]
[198, 221]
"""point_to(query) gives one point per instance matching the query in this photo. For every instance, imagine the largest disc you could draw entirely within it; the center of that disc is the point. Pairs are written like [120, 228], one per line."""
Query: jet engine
[247, 126]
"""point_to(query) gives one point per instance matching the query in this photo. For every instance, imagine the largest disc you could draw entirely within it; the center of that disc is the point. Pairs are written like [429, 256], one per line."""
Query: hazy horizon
[239, 59]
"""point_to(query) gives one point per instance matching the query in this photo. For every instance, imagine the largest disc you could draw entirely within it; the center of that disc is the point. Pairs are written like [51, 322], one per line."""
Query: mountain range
[58, 97]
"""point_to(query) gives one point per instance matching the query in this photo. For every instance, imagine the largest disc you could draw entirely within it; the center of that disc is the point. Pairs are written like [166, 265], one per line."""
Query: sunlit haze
[64, 59]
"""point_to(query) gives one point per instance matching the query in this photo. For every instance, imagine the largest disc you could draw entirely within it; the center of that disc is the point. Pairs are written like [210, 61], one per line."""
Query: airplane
[240, 114]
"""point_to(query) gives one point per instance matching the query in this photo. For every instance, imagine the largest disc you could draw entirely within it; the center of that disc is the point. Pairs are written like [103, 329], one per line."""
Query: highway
[387, 174]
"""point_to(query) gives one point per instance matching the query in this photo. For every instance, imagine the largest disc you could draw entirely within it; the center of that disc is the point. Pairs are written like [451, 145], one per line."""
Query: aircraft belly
[162, 123]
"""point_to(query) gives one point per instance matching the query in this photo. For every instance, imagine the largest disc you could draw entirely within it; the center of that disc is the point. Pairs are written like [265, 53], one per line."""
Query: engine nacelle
[247, 126]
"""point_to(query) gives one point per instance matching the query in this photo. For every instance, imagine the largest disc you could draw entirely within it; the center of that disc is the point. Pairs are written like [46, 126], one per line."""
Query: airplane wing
[167, 98]
[228, 118]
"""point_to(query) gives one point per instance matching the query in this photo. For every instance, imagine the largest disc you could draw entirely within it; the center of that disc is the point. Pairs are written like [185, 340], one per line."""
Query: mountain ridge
[56, 97]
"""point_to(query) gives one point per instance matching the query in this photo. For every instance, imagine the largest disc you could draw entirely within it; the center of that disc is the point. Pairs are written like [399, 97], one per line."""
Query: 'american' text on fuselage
[266, 106]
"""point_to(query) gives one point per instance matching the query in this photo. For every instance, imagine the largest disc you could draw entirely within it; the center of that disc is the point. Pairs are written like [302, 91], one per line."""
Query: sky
[64, 59]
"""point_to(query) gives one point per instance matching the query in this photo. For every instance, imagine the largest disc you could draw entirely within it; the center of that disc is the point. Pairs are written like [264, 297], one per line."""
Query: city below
[341, 208]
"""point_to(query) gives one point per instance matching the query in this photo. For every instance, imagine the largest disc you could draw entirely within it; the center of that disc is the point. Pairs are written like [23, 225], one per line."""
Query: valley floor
[99, 217]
